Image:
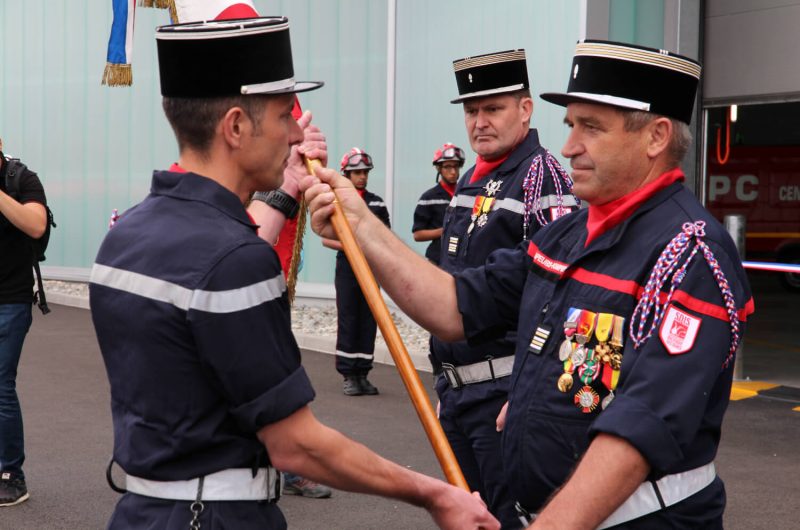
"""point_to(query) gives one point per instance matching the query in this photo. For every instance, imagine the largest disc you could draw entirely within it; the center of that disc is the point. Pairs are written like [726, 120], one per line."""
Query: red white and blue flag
[120, 45]
[118, 70]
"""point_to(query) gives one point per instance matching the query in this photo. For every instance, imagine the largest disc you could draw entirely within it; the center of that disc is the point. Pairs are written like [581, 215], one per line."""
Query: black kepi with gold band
[490, 74]
[631, 77]
[227, 58]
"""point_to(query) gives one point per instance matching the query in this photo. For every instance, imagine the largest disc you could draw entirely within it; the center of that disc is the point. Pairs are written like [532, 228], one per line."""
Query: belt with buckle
[469, 374]
[227, 485]
[650, 496]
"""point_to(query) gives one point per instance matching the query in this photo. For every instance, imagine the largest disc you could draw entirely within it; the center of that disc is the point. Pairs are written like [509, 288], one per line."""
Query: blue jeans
[15, 320]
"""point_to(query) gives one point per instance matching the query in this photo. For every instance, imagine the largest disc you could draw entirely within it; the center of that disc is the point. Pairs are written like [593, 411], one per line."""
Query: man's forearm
[423, 291]
[302, 445]
[606, 476]
[30, 218]
[428, 235]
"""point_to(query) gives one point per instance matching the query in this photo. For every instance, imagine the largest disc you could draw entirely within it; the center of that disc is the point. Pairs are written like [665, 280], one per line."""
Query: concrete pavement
[65, 401]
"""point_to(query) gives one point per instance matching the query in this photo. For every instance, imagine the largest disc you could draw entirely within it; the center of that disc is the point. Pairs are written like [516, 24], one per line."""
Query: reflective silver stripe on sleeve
[376, 203]
[513, 205]
[432, 202]
[227, 301]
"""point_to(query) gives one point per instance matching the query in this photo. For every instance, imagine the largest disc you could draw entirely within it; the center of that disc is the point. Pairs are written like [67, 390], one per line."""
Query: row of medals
[589, 362]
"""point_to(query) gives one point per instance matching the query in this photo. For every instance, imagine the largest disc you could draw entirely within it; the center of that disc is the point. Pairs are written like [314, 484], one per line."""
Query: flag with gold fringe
[120, 45]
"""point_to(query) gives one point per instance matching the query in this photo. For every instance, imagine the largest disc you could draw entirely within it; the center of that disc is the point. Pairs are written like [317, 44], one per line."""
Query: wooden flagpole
[419, 398]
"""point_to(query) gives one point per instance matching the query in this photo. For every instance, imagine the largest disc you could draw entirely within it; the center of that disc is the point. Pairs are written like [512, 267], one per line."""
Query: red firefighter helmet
[356, 159]
[449, 152]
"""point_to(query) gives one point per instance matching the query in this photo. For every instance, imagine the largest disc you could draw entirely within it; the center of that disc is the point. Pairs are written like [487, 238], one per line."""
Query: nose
[480, 120]
[295, 133]
[572, 146]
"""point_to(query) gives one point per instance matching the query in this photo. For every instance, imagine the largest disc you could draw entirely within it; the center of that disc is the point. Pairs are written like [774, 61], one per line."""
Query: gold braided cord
[483, 60]
[664, 60]
[297, 249]
[117, 75]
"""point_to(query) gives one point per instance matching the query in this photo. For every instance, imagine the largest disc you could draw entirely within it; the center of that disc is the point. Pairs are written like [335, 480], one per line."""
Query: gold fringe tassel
[162, 4]
[117, 75]
[294, 265]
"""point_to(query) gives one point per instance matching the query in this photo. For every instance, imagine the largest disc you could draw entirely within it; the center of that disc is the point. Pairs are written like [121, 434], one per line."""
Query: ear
[233, 126]
[659, 134]
[527, 108]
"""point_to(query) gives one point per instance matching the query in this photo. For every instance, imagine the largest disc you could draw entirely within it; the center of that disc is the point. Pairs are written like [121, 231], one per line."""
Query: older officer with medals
[192, 316]
[515, 187]
[628, 313]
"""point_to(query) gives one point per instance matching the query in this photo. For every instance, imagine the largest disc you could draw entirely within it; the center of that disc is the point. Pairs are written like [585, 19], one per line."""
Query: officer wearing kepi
[432, 204]
[515, 188]
[192, 316]
[356, 327]
[628, 313]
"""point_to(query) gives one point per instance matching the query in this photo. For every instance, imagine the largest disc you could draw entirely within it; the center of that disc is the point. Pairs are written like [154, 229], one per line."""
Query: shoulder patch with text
[678, 330]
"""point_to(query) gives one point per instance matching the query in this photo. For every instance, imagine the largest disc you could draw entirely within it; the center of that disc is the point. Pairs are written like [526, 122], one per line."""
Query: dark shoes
[358, 385]
[12, 490]
[306, 488]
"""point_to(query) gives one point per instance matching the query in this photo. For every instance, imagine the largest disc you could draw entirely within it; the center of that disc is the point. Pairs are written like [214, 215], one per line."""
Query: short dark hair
[194, 119]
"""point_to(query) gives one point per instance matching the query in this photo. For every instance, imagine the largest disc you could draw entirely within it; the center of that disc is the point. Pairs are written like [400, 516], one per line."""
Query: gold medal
[616, 360]
[565, 382]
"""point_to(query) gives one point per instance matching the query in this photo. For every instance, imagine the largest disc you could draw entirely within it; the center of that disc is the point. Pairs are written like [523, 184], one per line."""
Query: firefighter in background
[432, 205]
[356, 327]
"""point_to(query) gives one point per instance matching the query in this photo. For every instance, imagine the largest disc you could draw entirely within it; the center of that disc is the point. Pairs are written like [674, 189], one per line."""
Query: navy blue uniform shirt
[667, 405]
[429, 215]
[192, 318]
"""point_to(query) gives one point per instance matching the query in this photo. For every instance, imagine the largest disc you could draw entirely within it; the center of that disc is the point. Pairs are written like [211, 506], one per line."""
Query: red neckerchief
[606, 216]
[483, 168]
[176, 168]
[361, 192]
[449, 188]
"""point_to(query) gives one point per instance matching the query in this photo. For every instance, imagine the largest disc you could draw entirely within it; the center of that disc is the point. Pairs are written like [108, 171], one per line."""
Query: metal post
[735, 225]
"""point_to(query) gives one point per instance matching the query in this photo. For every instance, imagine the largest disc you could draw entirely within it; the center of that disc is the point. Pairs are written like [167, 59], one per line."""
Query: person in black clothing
[432, 204]
[22, 216]
[356, 327]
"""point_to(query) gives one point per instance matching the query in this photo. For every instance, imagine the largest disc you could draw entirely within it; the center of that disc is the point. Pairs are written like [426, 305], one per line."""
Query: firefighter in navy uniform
[356, 327]
[628, 313]
[192, 316]
[515, 188]
[432, 204]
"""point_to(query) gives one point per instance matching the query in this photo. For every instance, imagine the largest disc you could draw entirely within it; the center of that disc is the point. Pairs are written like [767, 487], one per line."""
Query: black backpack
[38, 246]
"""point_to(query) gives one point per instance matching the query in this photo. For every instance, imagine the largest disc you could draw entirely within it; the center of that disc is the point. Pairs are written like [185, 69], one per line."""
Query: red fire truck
[762, 183]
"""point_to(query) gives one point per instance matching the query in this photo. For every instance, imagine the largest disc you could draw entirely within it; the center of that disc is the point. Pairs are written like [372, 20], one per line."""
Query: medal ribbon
[605, 322]
[585, 328]
[619, 333]
[666, 266]
[610, 377]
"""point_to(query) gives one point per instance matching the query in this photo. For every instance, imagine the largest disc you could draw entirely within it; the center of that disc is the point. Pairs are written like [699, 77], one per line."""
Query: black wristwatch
[280, 200]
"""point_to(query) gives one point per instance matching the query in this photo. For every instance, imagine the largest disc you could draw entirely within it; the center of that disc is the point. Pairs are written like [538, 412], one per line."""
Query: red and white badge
[678, 330]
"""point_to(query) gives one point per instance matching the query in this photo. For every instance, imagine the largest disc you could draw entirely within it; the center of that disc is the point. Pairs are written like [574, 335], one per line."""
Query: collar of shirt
[606, 216]
[185, 185]
[483, 168]
[449, 188]
[361, 193]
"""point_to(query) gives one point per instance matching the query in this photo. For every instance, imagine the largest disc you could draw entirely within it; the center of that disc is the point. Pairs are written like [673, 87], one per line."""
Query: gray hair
[681, 135]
